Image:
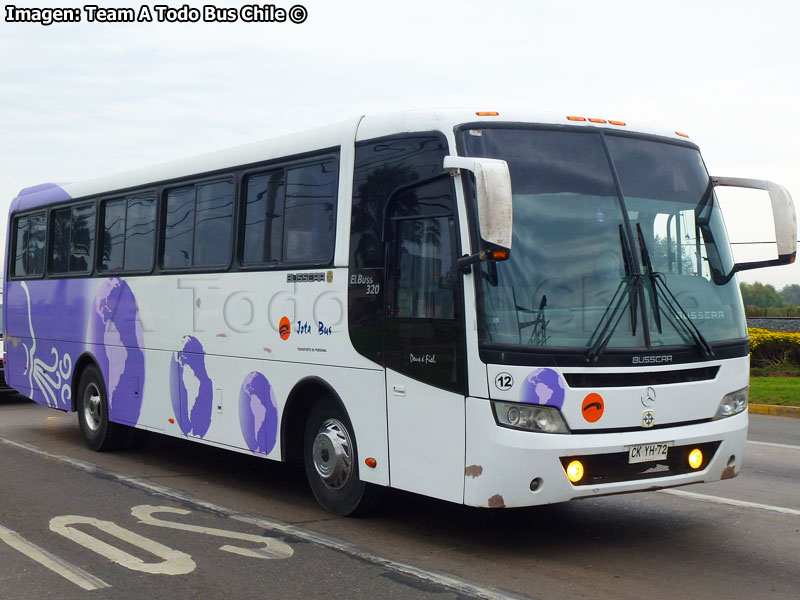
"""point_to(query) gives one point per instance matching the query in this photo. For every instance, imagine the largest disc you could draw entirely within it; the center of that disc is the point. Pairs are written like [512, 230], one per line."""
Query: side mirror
[495, 208]
[783, 214]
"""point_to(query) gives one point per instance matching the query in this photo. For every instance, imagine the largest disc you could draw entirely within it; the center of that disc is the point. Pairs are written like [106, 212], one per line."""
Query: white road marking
[57, 565]
[773, 445]
[272, 548]
[174, 562]
[731, 502]
[450, 582]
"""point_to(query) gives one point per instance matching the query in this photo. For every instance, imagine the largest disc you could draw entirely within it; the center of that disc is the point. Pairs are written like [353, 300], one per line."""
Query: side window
[424, 287]
[263, 222]
[29, 245]
[59, 260]
[199, 225]
[140, 232]
[82, 239]
[213, 224]
[113, 240]
[290, 215]
[308, 234]
[128, 233]
[179, 228]
[72, 239]
[22, 232]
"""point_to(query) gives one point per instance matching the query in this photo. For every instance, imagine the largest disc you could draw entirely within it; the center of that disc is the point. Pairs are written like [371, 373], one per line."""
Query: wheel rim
[333, 454]
[92, 407]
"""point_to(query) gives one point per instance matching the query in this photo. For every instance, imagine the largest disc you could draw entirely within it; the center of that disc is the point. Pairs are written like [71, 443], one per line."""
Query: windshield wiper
[675, 310]
[626, 296]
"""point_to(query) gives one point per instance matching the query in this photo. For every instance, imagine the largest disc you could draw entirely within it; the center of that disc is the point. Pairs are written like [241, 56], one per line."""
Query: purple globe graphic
[190, 388]
[115, 327]
[543, 386]
[258, 413]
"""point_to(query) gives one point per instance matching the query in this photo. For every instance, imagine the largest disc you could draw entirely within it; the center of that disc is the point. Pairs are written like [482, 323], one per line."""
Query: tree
[758, 294]
[791, 294]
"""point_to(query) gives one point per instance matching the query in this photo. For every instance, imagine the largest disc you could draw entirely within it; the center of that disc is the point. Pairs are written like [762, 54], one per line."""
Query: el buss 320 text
[160, 13]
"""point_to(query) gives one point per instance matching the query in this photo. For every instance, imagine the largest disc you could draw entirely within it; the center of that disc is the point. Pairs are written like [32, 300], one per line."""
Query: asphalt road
[64, 510]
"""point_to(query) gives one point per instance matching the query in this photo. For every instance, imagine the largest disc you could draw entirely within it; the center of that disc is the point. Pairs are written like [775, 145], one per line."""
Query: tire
[99, 433]
[330, 455]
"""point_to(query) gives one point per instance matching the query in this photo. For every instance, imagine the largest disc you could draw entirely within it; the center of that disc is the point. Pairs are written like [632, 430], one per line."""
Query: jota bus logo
[285, 328]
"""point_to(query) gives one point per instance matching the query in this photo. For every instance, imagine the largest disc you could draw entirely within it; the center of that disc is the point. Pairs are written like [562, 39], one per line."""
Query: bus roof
[358, 128]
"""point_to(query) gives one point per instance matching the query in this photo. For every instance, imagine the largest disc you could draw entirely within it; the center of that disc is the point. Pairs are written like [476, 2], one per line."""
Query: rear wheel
[331, 462]
[98, 432]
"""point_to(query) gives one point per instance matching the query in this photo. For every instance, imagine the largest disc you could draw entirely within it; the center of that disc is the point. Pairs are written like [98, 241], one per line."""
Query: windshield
[595, 217]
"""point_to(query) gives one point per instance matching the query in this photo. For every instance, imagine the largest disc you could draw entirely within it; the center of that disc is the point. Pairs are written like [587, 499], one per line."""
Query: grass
[779, 385]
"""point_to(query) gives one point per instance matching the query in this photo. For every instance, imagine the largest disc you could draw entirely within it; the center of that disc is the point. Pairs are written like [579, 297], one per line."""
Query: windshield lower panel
[596, 218]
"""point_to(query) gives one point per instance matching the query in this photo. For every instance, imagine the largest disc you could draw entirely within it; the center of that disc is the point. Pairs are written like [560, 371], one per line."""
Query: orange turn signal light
[597, 121]
[487, 113]
[620, 123]
[681, 134]
[371, 462]
[499, 254]
[171, 420]
[575, 118]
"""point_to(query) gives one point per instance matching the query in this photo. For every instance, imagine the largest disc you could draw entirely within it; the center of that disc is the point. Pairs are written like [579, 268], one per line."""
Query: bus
[497, 309]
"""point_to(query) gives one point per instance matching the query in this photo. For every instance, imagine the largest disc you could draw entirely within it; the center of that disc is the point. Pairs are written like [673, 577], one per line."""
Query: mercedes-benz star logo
[648, 397]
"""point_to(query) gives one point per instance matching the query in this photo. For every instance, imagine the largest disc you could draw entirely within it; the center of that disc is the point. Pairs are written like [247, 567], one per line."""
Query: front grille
[614, 467]
[639, 379]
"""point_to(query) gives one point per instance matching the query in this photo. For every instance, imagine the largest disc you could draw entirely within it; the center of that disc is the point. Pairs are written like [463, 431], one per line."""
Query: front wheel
[331, 461]
[99, 433]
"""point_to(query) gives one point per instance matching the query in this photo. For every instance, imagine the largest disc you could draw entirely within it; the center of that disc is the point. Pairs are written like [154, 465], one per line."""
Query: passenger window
[59, 262]
[179, 232]
[263, 223]
[213, 224]
[113, 243]
[290, 215]
[129, 233]
[36, 244]
[140, 232]
[21, 247]
[29, 245]
[72, 239]
[199, 226]
[310, 213]
[82, 239]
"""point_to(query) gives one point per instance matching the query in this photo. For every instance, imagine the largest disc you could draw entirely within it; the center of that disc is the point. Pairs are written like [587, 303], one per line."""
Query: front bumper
[502, 463]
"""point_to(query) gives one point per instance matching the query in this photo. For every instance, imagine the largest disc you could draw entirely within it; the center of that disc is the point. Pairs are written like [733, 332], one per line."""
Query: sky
[81, 100]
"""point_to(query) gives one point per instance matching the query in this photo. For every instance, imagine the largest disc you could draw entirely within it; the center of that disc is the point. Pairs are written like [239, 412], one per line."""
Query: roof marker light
[681, 134]
[487, 113]
[620, 123]
[598, 121]
[575, 118]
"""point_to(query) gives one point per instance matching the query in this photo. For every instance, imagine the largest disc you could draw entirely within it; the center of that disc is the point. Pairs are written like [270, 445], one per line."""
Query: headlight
[732, 404]
[531, 417]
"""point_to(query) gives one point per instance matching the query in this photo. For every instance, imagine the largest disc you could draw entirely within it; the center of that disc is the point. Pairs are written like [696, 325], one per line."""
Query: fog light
[575, 471]
[695, 458]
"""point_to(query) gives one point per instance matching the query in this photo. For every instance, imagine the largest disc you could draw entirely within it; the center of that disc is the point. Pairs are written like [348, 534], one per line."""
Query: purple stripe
[39, 195]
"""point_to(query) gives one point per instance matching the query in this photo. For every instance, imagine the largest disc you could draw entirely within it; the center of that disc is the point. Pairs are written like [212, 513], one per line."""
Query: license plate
[647, 453]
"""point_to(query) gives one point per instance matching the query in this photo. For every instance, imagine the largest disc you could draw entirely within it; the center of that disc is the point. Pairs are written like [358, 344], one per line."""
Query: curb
[774, 410]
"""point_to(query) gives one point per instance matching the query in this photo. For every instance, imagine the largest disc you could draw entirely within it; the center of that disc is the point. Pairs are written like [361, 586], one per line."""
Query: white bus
[355, 297]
